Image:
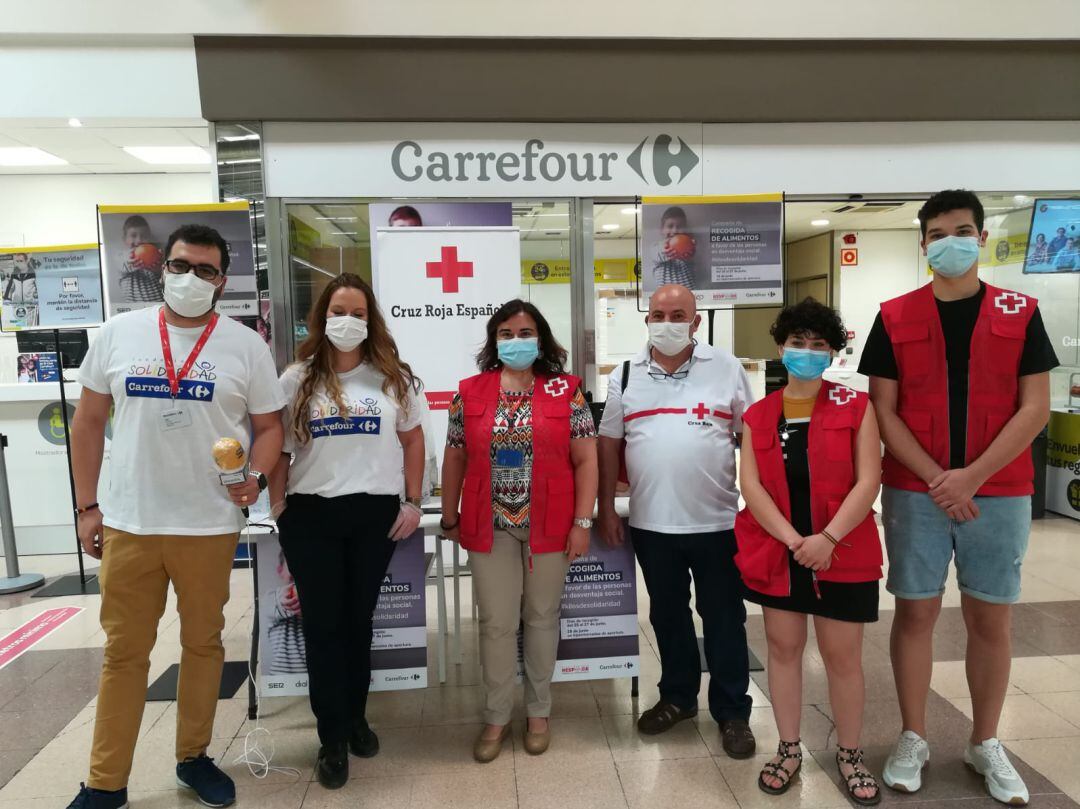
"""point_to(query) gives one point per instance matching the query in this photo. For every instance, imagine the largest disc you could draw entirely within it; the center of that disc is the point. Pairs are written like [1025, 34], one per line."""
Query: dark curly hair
[952, 200]
[552, 359]
[810, 317]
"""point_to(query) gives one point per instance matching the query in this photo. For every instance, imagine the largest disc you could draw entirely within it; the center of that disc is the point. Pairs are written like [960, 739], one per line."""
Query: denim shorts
[921, 539]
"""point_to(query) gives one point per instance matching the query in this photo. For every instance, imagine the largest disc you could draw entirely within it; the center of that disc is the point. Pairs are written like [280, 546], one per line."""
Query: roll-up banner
[598, 625]
[133, 243]
[399, 644]
[437, 287]
[728, 250]
[46, 288]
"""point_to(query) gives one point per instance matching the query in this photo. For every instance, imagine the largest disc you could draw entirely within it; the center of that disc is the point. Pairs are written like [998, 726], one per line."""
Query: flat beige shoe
[487, 750]
[536, 744]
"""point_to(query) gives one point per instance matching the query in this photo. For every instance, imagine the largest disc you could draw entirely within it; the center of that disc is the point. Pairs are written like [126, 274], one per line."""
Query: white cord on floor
[257, 759]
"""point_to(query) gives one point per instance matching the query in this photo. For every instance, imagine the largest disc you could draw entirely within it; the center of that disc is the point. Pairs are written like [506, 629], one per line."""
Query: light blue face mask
[519, 353]
[805, 363]
[953, 255]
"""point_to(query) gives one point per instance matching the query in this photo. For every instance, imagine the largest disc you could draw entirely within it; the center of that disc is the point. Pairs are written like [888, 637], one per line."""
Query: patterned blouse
[510, 485]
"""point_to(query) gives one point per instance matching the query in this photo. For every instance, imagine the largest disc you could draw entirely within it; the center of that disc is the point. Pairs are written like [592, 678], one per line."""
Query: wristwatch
[583, 522]
[260, 478]
[416, 501]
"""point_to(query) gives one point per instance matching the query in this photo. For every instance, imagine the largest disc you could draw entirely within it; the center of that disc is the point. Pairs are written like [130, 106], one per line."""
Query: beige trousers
[135, 575]
[509, 594]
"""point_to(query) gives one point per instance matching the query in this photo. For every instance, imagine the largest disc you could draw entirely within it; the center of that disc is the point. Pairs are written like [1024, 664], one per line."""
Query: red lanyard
[166, 350]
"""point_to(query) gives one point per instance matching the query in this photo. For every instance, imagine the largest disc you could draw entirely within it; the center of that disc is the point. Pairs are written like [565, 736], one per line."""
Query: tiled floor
[597, 759]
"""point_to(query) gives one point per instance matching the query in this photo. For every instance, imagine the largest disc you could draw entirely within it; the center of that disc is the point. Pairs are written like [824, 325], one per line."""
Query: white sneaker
[903, 769]
[1002, 780]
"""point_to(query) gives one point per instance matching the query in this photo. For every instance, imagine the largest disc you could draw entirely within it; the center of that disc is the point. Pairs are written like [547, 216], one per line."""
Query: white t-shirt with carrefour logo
[164, 481]
[356, 452]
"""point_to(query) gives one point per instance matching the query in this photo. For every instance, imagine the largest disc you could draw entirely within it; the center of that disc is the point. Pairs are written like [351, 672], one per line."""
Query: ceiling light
[630, 211]
[169, 155]
[819, 223]
[75, 122]
[337, 218]
[235, 138]
[28, 156]
[610, 226]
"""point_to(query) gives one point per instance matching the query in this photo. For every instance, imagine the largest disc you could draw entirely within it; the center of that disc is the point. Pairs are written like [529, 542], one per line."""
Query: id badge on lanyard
[178, 416]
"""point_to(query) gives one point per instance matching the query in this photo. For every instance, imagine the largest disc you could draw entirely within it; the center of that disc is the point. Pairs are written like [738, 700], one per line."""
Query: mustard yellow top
[798, 409]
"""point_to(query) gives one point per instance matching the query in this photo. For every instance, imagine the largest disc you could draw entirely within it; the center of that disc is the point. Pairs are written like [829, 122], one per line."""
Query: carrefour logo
[663, 160]
[657, 159]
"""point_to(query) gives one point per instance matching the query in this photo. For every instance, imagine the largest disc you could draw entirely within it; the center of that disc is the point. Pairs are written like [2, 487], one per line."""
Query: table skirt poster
[50, 287]
[399, 644]
[598, 625]
[727, 249]
[133, 244]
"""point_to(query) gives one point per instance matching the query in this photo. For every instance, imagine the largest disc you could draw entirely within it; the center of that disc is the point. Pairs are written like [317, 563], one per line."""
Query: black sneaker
[663, 716]
[99, 799]
[363, 742]
[332, 768]
[205, 778]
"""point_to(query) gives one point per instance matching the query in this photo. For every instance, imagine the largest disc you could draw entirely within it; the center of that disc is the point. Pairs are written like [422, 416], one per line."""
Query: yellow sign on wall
[557, 271]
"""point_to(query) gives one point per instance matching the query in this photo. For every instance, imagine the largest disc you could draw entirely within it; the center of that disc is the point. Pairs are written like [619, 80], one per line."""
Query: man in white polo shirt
[679, 411]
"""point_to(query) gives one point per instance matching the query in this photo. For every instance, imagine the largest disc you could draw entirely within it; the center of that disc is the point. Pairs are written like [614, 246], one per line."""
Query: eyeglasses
[661, 375]
[206, 272]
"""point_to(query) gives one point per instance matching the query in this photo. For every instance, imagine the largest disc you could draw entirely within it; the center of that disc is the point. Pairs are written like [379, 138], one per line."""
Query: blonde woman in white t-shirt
[352, 427]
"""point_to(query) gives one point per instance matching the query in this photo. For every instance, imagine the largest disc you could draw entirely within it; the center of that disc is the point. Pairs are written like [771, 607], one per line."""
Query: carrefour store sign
[477, 160]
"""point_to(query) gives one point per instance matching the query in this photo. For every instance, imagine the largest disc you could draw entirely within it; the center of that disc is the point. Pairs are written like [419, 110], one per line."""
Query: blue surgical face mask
[806, 364]
[953, 255]
[519, 353]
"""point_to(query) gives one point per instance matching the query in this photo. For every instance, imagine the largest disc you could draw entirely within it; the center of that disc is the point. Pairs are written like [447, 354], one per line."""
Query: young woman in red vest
[808, 543]
[521, 461]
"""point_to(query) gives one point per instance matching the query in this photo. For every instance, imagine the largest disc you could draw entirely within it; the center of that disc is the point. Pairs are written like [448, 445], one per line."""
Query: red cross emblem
[449, 269]
[1010, 303]
[556, 386]
[841, 395]
[701, 411]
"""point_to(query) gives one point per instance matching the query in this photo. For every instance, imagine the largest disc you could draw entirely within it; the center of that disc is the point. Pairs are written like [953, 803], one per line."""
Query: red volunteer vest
[914, 328]
[834, 426]
[551, 507]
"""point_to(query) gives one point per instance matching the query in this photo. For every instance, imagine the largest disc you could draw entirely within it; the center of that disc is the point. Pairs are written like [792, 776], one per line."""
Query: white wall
[890, 264]
[147, 77]
[734, 19]
[38, 210]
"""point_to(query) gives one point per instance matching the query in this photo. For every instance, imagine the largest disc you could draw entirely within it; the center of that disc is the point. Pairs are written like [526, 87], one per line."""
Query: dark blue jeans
[667, 563]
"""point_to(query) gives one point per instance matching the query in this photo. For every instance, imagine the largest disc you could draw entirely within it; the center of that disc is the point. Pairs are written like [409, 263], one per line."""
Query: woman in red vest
[521, 461]
[808, 543]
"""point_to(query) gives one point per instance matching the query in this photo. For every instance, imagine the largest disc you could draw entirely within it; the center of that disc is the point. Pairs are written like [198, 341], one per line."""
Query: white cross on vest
[841, 395]
[556, 386]
[1010, 303]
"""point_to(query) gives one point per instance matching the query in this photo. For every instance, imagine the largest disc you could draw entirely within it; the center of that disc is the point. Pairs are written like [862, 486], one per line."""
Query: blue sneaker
[213, 787]
[99, 799]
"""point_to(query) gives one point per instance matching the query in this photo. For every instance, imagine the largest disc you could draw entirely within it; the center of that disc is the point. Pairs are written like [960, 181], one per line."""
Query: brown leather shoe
[487, 750]
[738, 738]
[663, 716]
[536, 744]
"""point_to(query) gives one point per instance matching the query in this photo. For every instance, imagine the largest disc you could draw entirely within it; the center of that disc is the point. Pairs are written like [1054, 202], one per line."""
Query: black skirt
[842, 601]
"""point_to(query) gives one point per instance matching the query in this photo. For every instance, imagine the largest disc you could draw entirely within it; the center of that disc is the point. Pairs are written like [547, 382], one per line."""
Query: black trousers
[667, 562]
[338, 551]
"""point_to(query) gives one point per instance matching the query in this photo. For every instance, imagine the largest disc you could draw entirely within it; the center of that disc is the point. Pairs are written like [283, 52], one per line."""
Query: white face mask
[669, 338]
[188, 295]
[346, 332]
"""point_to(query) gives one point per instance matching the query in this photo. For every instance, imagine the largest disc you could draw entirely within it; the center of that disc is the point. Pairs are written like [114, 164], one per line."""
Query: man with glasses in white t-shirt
[180, 377]
[679, 411]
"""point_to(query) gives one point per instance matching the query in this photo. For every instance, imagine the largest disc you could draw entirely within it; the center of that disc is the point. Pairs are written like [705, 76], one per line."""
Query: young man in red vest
[959, 374]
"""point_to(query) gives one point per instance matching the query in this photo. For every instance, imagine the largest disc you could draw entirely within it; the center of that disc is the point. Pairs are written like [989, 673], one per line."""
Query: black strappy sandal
[860, 777]
[776, 769]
